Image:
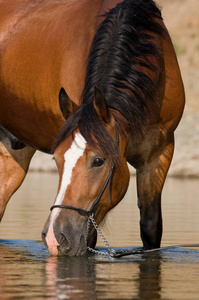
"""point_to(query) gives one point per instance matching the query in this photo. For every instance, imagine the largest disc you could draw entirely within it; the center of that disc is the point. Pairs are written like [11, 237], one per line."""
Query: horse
[106, 77]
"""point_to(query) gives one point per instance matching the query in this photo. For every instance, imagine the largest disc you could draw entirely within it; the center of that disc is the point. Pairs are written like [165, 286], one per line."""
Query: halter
[87, 213]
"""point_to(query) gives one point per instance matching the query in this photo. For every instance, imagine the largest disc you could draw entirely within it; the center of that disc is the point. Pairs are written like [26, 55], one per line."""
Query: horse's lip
[72, 252]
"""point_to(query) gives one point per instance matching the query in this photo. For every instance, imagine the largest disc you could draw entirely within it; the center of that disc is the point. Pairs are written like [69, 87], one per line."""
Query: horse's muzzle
[68, 242]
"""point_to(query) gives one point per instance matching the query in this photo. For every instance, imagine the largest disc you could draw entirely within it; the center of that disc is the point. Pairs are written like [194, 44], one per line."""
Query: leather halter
[87, 213]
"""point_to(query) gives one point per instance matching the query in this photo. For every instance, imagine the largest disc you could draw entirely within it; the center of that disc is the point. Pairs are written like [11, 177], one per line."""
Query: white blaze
[70, 159]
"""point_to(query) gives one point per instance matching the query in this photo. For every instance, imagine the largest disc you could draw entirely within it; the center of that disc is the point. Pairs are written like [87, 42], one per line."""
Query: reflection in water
[149, 281]
[70, 278]
[29, 272]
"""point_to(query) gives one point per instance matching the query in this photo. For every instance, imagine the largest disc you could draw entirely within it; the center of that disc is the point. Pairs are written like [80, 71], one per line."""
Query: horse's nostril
[43, 236]
[62, 238]
[64, 245]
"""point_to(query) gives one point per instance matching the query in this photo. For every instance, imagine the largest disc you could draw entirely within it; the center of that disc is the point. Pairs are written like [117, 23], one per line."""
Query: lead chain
[111, 251]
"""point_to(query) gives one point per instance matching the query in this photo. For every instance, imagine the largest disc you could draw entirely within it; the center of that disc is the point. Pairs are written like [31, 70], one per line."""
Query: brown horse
[131, 104]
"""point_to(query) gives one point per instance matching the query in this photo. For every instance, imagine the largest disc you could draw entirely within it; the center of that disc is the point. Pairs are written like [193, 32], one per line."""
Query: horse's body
[45, 46]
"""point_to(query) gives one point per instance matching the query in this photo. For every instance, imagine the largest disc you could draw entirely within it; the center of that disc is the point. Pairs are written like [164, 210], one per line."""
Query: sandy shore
[182, 20]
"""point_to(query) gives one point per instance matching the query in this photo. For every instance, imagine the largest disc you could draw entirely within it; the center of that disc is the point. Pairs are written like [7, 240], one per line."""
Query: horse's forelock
[92, 129]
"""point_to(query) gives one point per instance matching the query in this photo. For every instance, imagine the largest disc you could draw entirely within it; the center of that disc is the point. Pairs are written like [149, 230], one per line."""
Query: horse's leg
[13, 168]
[150, 180]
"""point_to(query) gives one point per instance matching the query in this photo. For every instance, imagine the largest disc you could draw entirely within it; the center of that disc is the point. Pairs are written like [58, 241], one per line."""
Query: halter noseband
[87, 213]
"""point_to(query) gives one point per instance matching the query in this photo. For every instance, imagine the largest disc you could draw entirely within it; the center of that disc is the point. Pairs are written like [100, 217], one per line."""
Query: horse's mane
[123, 42]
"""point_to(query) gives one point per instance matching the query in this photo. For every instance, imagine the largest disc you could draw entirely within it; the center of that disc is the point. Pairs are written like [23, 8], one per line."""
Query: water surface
[29, 272]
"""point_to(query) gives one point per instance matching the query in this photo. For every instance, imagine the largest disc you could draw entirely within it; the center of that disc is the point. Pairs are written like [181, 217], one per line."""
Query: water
[27, 271]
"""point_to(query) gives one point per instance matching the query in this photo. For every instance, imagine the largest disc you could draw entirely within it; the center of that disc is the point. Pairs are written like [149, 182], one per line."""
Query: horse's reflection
[94, 278]
[70, 278]
[149, 279]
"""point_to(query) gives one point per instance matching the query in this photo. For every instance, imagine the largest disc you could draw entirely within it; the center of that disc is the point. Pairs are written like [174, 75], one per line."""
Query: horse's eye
[98, 162]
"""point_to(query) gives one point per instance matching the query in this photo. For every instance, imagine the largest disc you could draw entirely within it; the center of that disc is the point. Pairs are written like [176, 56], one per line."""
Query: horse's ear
[100, 106]
[66, 104]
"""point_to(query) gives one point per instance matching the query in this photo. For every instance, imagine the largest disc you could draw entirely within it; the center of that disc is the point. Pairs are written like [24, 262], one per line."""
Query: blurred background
[157, 277]
[182, 20]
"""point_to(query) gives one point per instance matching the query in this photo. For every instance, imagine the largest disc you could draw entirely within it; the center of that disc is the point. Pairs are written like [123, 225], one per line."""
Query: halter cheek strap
[87, 213]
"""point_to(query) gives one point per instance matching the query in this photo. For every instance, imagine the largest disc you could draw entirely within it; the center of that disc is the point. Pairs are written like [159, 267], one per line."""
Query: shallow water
[27, 271]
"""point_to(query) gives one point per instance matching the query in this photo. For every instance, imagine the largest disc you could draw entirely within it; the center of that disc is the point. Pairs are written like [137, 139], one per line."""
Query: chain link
[111, 251]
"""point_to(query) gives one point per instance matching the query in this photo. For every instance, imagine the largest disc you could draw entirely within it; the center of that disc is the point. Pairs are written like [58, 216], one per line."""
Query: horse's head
[93, 175]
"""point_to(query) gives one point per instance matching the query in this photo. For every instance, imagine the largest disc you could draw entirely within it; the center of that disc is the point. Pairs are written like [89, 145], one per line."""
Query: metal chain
[111, 251]
[119, 253]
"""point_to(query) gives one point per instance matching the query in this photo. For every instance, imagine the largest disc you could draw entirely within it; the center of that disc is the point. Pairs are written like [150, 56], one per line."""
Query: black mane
[123, 42]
